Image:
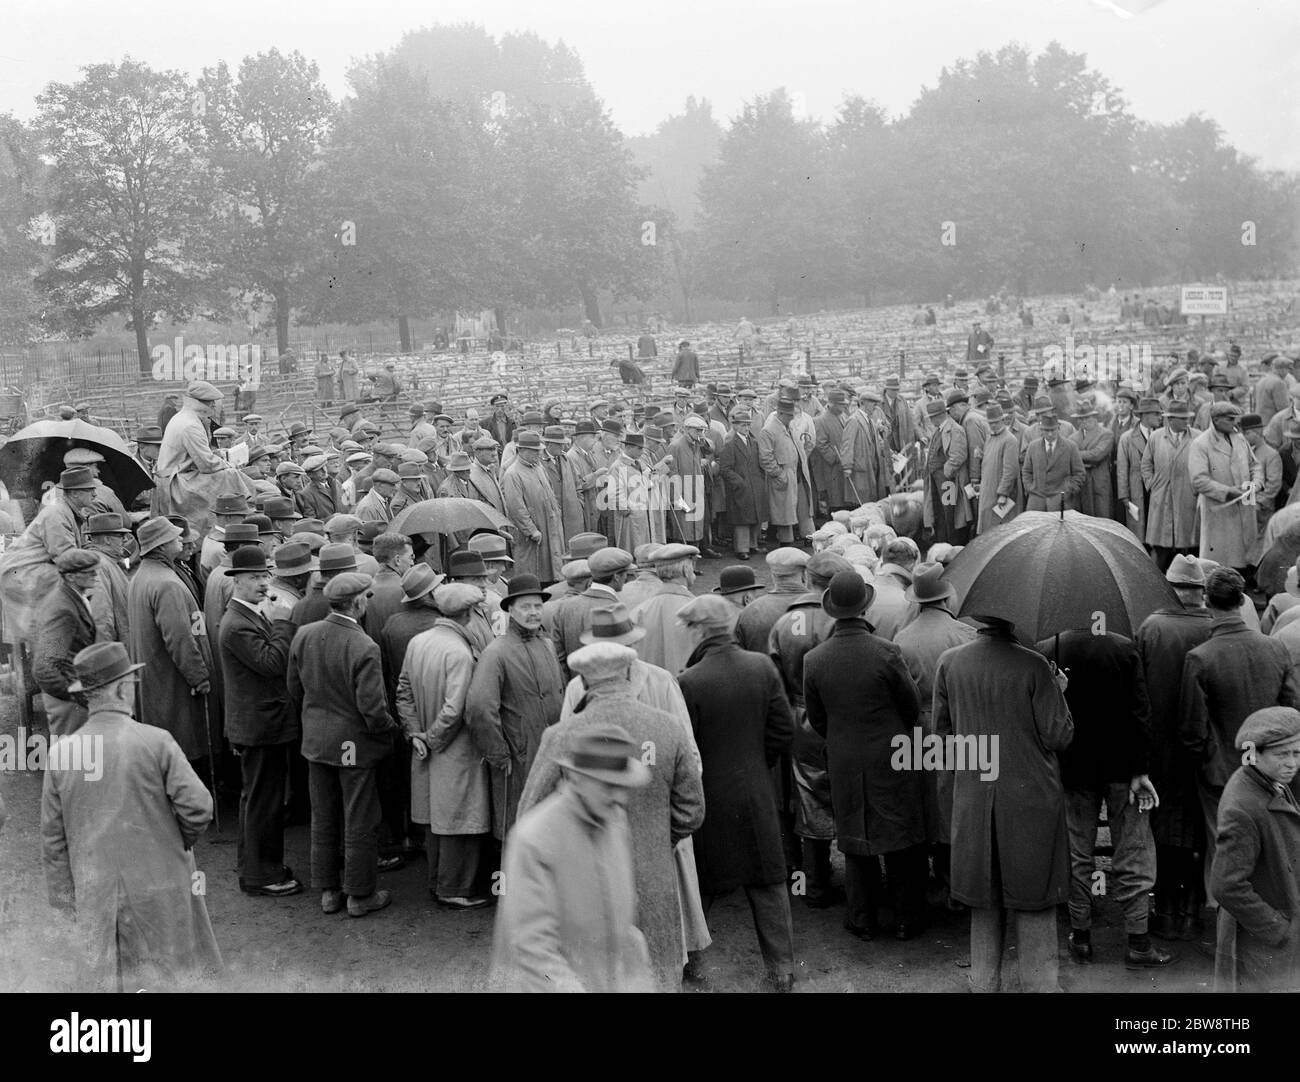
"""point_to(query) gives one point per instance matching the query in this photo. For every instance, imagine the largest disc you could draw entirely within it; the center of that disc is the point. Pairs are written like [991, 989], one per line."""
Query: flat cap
[665, 553]
[576, 569]
[609, 560]
[288, 467]
[316, 462]
[348, 584]
[203, 391]
[337, 524]
[73, 560]
[1268, 727]
[787, 557]
[383, 476]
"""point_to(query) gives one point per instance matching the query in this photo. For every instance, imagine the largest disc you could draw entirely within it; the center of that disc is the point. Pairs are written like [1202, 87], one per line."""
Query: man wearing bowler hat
[336, 681]
[738, 585]
[65, 625]
[167, 634]
[567, 922]
[260, 722]
[117, 845]
[860, 696]
[517, 689]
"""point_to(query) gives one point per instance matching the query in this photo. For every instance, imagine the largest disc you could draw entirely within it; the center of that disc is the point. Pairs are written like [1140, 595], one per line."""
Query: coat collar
[714, 644]
[1277, 800]
[343, 622]
[1229, 624]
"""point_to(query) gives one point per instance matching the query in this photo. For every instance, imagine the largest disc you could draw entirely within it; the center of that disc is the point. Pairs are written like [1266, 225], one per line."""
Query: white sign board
[1204, 301]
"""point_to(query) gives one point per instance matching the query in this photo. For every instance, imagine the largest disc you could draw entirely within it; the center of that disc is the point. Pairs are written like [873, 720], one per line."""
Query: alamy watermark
[72, 752]
[932, 751]
[178, 362]
[1113, 362]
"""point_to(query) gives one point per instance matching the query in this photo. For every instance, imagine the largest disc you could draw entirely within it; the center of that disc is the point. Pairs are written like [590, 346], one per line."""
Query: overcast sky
[1237, 62]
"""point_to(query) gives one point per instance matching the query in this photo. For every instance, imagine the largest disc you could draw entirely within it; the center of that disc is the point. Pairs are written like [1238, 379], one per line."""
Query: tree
[23, 239]
[265, 134]
[132, 199]
[767, 227]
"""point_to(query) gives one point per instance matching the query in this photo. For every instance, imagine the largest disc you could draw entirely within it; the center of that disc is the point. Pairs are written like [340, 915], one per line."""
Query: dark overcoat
[746, 483]
[255, 659]
[996, 687]
[859, 696]
[742, 724]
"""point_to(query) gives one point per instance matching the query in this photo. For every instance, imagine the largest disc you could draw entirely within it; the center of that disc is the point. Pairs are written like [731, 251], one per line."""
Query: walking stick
[212, 760]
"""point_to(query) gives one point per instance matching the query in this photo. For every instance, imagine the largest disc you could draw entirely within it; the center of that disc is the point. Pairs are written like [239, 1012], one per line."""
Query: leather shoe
[391, 864]
[359, 907]
[1152, 958]
[331, 901]
[742, 556]
[282, 889]
[782, 983]
[1080, 952]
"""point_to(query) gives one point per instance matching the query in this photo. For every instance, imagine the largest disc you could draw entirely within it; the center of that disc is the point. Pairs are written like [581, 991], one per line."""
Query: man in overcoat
[1129, 486]
[1227, 479]
[746, 483]
[859, 696]
[784, 460]
[532, 507]
[65, 626]
[1052, 470]
[743, 726]
[1171, 500]
[1010, 847]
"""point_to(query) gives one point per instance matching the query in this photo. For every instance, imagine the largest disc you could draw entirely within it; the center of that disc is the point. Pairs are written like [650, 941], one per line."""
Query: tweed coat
[669, 809]
[336, 681]
[168, 635]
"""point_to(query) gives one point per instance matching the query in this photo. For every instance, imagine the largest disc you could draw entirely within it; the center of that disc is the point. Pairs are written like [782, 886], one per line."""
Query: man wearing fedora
[532, 507]
[65, 625]
[1171, 503]
[922, 642]
[260, 722]
[517, 690]
[1052, 473]
[827, 469]
[1096, 443]
[784, 459]
[568, 918]
[745, 482]
[743, 725]
[105, 499]
[999, 483]
[859, 696]
[417, 613]
[1010, 845]
[562, 478]
[660, 816]
[291, 574]
[117, 847]
[148, 442]
[226, 511]
[334, 559]
[166, 628]
[107, 538]
[191, 474]
[336, 681]
[1130, 489]
[449, 789]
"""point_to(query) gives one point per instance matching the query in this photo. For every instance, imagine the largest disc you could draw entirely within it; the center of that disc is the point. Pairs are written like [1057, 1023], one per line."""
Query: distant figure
[686, 368]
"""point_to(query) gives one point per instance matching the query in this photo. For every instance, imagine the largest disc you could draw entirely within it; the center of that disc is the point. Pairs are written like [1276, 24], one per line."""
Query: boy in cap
[336, 682]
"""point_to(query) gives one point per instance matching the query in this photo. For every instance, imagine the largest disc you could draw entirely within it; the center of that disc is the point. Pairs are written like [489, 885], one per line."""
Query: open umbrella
[448, 515]
[34, 455]
[1048, 572]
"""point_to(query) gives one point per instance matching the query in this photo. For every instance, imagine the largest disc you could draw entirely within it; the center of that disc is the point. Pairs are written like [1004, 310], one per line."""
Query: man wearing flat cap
[374, 505]
[1227, 478]
[118, 845]
[1256, 853]
[191, 475]
[609, 568]
[336, 682]
[664, 645]
[167, 634]
[65, 627]
[319, 497]
[786, 566]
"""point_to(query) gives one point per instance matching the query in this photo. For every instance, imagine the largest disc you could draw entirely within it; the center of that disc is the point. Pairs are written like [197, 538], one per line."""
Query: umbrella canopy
[1048, 572]
[447, 515]
[34, 455]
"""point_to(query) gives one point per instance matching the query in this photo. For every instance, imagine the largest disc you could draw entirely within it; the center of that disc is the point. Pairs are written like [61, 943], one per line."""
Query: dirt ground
[289, 945]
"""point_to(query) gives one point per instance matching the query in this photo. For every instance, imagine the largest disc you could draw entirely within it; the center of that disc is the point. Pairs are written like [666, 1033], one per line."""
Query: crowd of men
[559, 686]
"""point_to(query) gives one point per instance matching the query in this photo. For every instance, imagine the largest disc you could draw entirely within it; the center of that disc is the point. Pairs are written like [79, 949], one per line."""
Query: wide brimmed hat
[99, 664]
[419, 581]
[607, 753]
[521, 586]
[466, 564]
[582, 545]
[928, 584]
[847, 596]
[107, 522]
[76, 479]
[612, 623]
[1185, 571]
[156, 532]
[292, 559]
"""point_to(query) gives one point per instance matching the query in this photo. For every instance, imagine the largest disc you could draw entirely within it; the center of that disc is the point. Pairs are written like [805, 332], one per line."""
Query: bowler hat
[612, 624]
[100, 664]
[520, 586]
[1250, 421]
[251, 559]
[847, 596]
[735, 579]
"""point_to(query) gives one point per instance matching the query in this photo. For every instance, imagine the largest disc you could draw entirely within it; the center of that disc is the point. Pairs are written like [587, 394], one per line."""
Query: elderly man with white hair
[743, 725]
[661, 815]
[191, 474]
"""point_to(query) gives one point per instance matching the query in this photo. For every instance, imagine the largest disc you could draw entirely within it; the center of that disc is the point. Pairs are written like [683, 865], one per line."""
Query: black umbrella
[1048, 572]
[34, 455]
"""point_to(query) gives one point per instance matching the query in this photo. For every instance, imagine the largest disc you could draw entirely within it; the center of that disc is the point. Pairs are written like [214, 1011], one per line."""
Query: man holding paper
[1226, 478]
[999, 473]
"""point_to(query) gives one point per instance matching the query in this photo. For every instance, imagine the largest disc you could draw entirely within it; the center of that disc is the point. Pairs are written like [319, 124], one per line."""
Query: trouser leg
[862, 886]
[326, 824]
[459, 858]
[770, 907]
[744, 538]
[1081, 806]
[359, 794]
[1209, 798]
[1133, 865]
[816, 854]
[1037, 950]
[987, 930]
[260, 854]
[907, 871]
